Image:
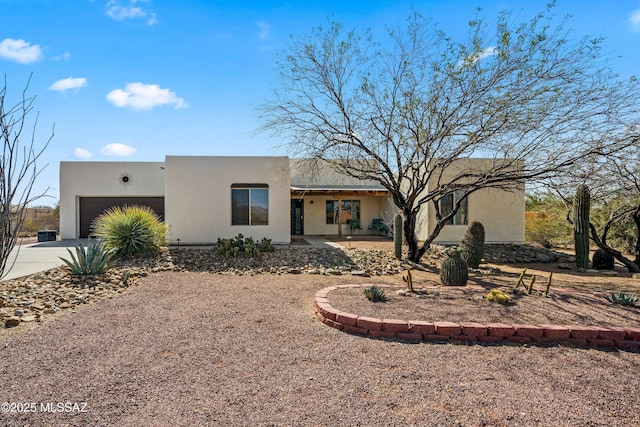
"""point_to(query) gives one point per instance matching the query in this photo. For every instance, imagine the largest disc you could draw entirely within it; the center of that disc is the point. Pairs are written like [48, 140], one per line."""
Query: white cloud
[140, 96]
[486, 53]
[82, 153]
[264, 29]
[117, 149]
[64, 57]
[64, 85]
[634, 18]
[131, 9]
[20, 51]
[472, 59]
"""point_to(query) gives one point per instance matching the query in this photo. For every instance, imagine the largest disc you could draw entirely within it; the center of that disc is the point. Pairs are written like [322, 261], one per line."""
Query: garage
[91, 207]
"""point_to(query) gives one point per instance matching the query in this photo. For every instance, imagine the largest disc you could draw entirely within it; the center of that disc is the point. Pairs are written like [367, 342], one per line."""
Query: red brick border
[417, 330]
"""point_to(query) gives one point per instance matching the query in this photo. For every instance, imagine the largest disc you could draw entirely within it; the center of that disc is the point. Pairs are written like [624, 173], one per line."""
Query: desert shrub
[241, 245]
[546, 229]
[546, 220]
[94, 259]
[131, 231]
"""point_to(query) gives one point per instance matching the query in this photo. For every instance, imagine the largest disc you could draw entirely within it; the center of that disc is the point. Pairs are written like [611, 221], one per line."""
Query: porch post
[339, 216]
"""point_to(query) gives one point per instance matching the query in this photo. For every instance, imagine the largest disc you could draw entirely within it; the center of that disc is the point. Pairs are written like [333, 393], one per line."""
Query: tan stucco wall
[500, 212]
[94, 179]
[198, 197]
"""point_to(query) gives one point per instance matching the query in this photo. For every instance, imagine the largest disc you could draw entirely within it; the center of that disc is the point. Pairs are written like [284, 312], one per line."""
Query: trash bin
[47, 235]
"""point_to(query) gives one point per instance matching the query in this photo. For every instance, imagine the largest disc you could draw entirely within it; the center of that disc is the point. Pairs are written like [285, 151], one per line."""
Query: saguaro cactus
[581, 206]
[472, 246]
[397, 235]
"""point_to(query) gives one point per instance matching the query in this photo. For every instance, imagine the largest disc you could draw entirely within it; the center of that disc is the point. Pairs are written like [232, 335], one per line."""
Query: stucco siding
[198, 197]
[103, 179]
[500, 212]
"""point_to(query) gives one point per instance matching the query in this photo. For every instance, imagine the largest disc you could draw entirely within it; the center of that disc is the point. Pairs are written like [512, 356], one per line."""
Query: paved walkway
[36, 257]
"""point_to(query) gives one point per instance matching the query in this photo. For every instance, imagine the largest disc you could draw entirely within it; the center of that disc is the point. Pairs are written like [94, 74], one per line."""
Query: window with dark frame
[249, 204]
[350, 209]
[448, 201]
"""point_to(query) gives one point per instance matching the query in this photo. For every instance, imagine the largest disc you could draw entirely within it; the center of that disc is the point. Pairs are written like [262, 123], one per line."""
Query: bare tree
[525, 96]
[18, 169]
[614, 183]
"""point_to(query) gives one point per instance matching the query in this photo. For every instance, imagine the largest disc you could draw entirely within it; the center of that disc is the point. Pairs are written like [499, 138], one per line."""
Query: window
[350, 210]
[249, 204]
[446, 206]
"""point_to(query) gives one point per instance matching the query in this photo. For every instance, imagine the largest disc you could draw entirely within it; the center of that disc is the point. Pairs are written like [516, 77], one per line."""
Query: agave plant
[375, 294]
[94, 259]
[622, 299]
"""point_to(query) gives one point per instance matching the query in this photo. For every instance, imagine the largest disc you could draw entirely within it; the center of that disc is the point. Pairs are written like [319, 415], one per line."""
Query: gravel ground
[210, 349]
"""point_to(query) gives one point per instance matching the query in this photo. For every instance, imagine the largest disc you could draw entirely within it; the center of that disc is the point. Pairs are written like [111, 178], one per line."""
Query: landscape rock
[11, 322]
[44, 294]
[543, 258]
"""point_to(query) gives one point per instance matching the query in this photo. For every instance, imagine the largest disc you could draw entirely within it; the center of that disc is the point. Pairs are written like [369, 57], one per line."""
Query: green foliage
[131, 231]
[581, 207]
[397, 235]
[408, 279]
[240, 245]
[375, 294]
[622, 299]
[94, 259]
[472, 246]
[496, 295]
[454, 270]
[602, 260]
[545, 221]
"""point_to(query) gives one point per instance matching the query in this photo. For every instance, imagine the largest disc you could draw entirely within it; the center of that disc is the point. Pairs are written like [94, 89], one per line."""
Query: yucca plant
[94, 259]
[375, 294]
[622, 299]
[130, 231]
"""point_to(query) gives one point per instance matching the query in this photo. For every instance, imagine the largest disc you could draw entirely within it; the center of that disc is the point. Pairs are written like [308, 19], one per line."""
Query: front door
[297, 216]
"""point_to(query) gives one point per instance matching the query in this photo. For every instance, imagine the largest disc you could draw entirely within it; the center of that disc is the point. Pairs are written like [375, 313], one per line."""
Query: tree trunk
[410, 234]
[632, 266]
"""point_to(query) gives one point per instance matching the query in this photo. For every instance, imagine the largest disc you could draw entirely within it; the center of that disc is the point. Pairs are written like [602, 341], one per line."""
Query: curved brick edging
[417, 330]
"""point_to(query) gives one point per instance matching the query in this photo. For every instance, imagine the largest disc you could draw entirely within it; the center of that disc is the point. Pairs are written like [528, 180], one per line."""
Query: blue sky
[135, 80]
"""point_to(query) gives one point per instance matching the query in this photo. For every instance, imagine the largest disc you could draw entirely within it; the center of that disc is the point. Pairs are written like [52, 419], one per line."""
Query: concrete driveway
[36, 257]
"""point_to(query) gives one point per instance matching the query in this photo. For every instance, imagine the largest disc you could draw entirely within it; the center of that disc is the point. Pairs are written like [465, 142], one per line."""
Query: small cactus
[454, 270]
[397, 235]
[408, 279]
[520, 280]
[602, 260]
[472, 246]
[496, 295]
